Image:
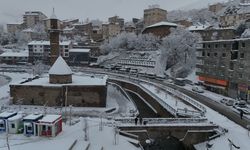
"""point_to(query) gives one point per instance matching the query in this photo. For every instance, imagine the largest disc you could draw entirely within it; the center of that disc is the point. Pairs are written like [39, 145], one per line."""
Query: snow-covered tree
[246, 34]
[178, 52]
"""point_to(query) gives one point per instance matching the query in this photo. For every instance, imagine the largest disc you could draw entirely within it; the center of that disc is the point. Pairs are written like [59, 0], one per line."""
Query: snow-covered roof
[15, 54]
[76, 81]
[28, 30]
[163, 23]
[49, 118]
[6, 114]
[60, 67]
[79, 50]
[16, 117]
[32, 117]
[198, 27]
[229, 40]
[48, 43]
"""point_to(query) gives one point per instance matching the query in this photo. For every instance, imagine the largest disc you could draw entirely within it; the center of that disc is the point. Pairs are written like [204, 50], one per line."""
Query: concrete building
[79, 57]
[116, 19]
[160, 29]
[31, 18]
[40, 50]
[14, 27]
[110, 30]
[61, 88]
[215, 7]
[234, 14]
[153, 15]
[14, 57]
[209, 33]
[223, 66]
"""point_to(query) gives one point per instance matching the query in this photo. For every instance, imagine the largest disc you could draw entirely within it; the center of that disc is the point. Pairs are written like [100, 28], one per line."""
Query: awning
[215, 86]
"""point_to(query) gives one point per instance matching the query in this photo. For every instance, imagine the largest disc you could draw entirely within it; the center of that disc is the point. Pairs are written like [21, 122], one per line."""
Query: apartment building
[40, 50]
[12, 28]
[224, 67]
[31, 18]
[153, 15]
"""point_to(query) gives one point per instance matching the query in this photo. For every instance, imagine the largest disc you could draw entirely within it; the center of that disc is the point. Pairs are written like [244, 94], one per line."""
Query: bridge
[189, 131]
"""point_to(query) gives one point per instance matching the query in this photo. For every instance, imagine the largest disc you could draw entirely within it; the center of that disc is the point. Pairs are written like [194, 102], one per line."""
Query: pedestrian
[140, 121]
[136, 119]
[241, 114]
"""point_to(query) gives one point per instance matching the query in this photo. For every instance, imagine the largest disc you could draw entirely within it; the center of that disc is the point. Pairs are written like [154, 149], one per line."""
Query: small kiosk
[29, 124]
[50, 125]
[15, 124]
[4, 120]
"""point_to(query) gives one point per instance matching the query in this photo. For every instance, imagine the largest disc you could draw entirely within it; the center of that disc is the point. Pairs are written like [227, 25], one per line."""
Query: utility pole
[65, 105]
[70, 114]
[7, 135]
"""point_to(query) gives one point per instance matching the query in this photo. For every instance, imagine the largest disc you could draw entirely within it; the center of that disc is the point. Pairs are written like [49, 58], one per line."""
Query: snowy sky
[11, 10]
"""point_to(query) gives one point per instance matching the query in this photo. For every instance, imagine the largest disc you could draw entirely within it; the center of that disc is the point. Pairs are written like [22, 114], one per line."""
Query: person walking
[140, 121]
[136, 120]
[241, 114]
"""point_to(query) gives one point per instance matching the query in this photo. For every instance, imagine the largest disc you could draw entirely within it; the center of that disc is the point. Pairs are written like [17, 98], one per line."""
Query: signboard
[214, 81]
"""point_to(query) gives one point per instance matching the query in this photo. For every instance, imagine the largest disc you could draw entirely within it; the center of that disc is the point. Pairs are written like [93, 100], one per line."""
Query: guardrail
[163, 120]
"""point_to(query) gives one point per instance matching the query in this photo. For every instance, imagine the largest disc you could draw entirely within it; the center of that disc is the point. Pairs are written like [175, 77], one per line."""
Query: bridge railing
[163, 120]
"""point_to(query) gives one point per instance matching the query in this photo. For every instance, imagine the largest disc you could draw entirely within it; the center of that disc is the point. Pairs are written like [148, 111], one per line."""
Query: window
[44, 127]
[29, 128]
[240, 75]
[208, 54]
[224, 45]
[12, 125]
[203, 45]
[241, 66]
[235, 45]
[241, 55]
[203, 53]
[208, 46]
[49, 128]
[223, 54]
[231, 66]
[1, 125]
[215, 54]
[243, 44]
[234, 55]
[216, 45]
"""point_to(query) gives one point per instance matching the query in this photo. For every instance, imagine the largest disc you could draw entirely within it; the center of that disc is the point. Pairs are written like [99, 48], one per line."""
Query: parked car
[230, 102]
[179, 81]
[223, 100]
[240, 104]
[197, 89]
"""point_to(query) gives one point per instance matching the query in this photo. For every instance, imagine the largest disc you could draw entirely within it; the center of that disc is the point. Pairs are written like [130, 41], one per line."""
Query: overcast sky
[11, 10]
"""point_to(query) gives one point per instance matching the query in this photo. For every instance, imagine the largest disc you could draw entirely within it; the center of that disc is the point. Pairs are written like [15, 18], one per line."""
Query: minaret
[54, 38]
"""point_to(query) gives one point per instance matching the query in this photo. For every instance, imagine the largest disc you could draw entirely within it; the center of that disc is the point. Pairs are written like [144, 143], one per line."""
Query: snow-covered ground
[96, 139]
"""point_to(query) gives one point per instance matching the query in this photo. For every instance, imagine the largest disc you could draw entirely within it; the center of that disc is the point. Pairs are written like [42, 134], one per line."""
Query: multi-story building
[224, 67]
[110, 30]
[31, 18]
[12, 28]
[40, 50]
[153, 15]
[116, 19]
[209, 33]
[234, 14]
[215, 7]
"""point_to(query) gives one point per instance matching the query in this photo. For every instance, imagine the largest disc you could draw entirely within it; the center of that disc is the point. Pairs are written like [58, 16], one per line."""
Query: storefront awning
[215, 86]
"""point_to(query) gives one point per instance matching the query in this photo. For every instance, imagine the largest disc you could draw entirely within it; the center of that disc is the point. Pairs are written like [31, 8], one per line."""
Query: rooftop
[16, 117]
[48, 43]
[50, 118]
[15, 54]
[60, 67]
[32, 117]
[76, 81]
[163, 23]
[6, 114]
[79, 50]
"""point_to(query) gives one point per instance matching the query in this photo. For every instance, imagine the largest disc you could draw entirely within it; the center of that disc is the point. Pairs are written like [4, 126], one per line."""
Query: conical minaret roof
[53, 15]
[60, 67]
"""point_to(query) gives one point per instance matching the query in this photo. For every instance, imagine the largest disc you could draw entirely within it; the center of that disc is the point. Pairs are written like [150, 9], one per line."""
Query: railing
[163, 120]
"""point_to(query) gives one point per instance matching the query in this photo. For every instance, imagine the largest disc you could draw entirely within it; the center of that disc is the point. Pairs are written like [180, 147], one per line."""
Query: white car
[197, 89]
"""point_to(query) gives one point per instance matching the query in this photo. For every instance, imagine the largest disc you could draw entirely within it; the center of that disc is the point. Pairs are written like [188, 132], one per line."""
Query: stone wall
[78, 96]
[60, 79]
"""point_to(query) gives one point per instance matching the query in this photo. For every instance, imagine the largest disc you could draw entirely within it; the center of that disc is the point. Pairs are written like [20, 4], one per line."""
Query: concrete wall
[78, 96]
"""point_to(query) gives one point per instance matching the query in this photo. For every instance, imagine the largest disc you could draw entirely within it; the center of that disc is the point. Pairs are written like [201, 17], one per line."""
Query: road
[213, 105]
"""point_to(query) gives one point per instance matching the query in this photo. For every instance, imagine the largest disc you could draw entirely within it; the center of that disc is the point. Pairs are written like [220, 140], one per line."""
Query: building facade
[31, 18]
[153, 15]
[40, 50]
[224, 67]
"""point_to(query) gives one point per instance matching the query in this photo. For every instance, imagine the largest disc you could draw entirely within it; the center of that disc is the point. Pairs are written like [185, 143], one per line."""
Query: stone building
[160, 29]
[12, 28]
[215, 7]
[153, 15]
[61, 88]
[223, 66]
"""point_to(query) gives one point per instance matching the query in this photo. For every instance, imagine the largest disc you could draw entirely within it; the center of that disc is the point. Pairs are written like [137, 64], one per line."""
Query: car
[241, 104]
[197, 89]
[223, 100]
[230, 102]
[179, 81]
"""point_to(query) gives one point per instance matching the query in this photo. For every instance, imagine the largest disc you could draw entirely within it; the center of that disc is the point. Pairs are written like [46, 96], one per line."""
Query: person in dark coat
[136, 120]
[140, 121]
[241, 114]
